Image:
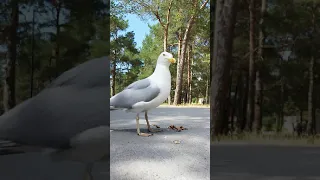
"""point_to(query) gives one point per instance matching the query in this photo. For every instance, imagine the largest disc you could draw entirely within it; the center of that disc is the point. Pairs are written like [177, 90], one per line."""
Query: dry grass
[269, 139]
[186, 105]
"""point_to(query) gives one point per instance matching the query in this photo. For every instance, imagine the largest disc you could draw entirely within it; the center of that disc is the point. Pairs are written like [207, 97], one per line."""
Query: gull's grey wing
[136, 92]
[59, 113]
[140, 84]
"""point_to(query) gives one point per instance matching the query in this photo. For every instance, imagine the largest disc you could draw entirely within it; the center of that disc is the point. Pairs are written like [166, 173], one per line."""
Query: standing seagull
[147, 93]
[67, 120]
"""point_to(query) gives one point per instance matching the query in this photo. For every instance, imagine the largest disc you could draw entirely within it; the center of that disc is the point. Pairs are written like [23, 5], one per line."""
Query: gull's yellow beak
[172, 60]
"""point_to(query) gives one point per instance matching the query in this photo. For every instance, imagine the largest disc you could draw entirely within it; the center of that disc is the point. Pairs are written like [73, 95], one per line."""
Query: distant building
[291, 121]
[201, 101]
[318, 122]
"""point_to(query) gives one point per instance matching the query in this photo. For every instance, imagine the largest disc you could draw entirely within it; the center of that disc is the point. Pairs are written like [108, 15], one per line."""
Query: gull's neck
[161, 71]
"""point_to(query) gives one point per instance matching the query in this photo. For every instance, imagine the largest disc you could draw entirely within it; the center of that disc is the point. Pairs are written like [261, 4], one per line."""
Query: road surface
[132, 157]
[264, 162]
[157, 157]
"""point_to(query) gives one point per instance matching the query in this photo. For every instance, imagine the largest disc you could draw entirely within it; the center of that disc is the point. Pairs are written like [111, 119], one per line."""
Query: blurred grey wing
[89, 74]
[55, 115]
[139, 91]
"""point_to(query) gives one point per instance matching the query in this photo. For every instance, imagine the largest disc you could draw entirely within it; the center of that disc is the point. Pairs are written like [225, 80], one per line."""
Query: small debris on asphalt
[173, 127]
[177, 141]
[183, 128]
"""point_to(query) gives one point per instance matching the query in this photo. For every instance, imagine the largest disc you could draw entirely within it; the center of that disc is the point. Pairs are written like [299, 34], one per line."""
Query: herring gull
[147, 93]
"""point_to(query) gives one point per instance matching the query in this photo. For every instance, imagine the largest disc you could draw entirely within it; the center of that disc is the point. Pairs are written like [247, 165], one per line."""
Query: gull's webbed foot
[144, 134]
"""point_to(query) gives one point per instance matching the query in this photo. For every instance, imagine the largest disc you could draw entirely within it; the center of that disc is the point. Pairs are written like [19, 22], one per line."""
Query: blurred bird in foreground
[68, 120]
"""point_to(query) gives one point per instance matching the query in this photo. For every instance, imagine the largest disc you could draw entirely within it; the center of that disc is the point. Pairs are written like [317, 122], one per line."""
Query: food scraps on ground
[173, 127]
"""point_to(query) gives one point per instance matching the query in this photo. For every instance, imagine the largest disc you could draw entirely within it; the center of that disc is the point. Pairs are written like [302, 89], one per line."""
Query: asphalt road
[157, 157]
[264, 162]
[132, 157]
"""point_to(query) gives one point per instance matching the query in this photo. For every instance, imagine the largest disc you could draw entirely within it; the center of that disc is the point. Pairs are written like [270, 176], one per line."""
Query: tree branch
[246, 55]
[173, 44]
[168, 12]
[204, 4]
[156, 13]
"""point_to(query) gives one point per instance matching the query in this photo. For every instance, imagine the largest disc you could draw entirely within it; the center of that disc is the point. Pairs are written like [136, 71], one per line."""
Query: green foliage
[151, 48]
[123, 51]
[292, 26]
[199, 40]
[83, 28]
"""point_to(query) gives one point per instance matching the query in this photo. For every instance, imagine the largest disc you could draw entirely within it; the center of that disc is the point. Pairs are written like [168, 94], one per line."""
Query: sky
[139, 27]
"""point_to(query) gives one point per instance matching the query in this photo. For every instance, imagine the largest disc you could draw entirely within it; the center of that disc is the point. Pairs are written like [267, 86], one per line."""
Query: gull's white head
[166, 59]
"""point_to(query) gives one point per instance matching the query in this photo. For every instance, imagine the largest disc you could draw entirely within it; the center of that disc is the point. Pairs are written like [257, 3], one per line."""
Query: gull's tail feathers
[112, 108]
[115, 105]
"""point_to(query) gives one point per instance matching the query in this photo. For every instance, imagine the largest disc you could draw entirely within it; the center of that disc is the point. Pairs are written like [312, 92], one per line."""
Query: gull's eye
[163, 54]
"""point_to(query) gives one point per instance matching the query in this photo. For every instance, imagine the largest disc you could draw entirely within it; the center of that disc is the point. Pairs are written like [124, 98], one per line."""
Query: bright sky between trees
[139, 27]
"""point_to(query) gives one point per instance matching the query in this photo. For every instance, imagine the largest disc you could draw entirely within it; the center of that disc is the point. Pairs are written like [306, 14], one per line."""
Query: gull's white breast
[161, 79]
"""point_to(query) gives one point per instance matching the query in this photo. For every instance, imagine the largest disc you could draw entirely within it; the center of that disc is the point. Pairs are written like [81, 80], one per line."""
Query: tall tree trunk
[207, 91]
[179, 47]
[32, 56]
[259, 87]
[165, 26]
[258, 104]
[311, 120]
[252, 47]
[9, 87]
[299, 125]
[221, 63]
[240, 102]
[311, 110]
[281, 109]
[189, 74]
[165, 39]
[114, 69]
[227, 116]
[179, 79]
[245, 101]
[179, 36]
[165, 33]
[57, 45]
[301, 116]
[234, 105]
